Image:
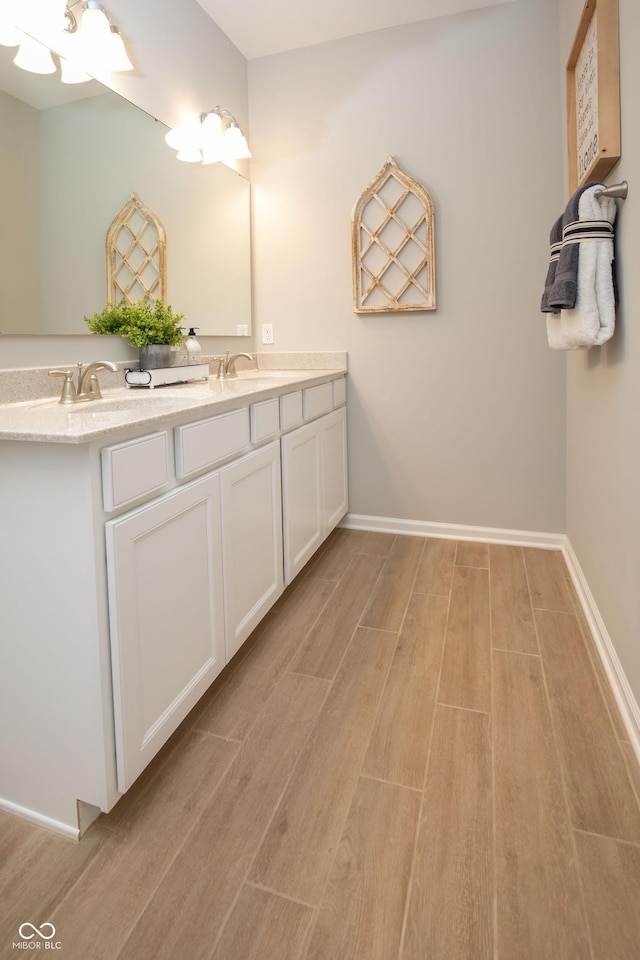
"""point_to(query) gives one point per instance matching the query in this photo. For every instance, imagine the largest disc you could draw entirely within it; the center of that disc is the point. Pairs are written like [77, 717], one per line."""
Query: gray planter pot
[154, 355]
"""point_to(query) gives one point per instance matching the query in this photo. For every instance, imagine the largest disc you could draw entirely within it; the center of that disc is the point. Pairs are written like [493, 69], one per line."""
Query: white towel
[592, 321]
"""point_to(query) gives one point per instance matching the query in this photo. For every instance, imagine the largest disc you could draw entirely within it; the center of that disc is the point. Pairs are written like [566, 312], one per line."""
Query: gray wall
[603, 397]
[456, 415]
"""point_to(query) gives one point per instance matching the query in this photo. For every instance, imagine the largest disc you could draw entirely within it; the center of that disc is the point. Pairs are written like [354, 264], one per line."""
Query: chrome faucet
[227, 365]
[88, 387]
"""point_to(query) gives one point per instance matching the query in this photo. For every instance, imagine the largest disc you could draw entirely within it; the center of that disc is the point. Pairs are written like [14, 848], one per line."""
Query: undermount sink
[266, 374]
[137, 400]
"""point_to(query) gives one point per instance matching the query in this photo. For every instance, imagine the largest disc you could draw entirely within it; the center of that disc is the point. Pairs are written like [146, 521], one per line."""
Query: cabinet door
[303, 520]
[252, 541]
[165, 606]
[333, 432]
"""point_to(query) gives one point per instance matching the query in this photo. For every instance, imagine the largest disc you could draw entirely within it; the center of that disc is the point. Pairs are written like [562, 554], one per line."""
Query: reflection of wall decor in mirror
[136, 250]
[66, 167]
[393, 246]
[593, 94]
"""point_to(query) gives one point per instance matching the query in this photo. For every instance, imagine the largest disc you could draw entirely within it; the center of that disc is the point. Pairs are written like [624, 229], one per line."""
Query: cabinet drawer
[317, 400]
[207, 442]
[339, 392]
[135, 468]
[291, 410]
[265, 420]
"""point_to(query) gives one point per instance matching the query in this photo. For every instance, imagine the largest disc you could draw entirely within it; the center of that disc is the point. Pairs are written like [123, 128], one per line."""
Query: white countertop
[46, 420]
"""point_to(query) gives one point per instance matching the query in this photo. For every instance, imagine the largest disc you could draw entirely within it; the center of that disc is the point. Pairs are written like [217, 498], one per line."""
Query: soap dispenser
[193, 347]
[180, 355]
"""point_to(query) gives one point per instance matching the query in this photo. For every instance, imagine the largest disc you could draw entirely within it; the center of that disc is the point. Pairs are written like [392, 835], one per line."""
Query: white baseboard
[26, 814]
[627, 703]
[454, 531]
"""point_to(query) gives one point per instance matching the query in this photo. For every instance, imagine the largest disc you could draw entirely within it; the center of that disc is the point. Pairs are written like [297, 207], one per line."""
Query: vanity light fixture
[93, 42]
[216, 136]
[99, 44]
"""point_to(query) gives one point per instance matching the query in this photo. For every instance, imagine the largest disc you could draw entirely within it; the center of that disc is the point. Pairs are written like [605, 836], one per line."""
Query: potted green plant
[152, 327]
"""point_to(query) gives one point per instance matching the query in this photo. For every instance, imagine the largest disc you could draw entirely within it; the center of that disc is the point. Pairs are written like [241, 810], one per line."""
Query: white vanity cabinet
[251, 541]
[135, 564]
[164, 571]
[314, 486]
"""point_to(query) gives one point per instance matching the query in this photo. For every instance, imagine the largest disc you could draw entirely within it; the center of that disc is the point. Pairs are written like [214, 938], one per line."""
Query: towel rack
[619, 190]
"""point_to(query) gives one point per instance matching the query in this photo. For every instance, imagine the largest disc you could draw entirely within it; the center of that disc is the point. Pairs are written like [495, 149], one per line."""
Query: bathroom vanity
[144, 537]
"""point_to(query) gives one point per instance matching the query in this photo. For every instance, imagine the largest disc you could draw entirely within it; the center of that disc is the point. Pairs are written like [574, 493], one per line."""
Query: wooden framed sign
[593, 94]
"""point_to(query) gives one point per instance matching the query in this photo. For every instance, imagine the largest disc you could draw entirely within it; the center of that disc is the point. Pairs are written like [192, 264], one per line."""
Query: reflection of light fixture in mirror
[99, 45]
[216, 137]
[34, 57]
[72, 73]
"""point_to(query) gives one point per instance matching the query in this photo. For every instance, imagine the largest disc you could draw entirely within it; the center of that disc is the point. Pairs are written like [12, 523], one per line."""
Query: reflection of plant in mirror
[140, 322]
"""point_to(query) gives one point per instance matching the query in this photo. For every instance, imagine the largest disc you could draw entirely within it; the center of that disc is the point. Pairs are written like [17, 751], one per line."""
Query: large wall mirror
[70, 158]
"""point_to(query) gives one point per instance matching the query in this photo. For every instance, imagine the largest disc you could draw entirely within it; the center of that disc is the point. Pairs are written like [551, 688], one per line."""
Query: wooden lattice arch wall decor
[393, 245]
[136, 249]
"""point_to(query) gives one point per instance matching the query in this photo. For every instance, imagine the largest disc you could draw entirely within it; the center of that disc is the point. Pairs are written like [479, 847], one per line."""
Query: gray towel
[555, 240]
[564, 291]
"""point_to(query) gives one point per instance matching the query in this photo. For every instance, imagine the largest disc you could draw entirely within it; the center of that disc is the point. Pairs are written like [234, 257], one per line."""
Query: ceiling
[259, 28]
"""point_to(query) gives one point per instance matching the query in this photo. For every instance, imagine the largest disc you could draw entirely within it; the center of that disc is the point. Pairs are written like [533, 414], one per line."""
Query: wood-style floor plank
[37, 868]
[191, 903]
[388, 601]
[400, 741]
[546, 574]
[450, 915]
[332, 563]
[435, 572]
[363, 907]
[465, 680]
[512, 626]
[125, 873]
[324, 646]
[233, 711]
[611, 882]
[601, 798]
[281, 787]
[605, 686]
[539, 913]
[377, 544]
[633, 766]
[299, 847]
[471, 554]
[263, 925]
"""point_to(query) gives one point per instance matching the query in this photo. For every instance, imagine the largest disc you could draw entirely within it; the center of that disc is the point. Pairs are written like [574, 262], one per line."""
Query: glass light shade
[211, 138]
[99, 43]
[211, 153]
[190, 153]
[118, 59]
[34, 57]
[174, 138]
[235, 144]
[211, 126]
[72, 73]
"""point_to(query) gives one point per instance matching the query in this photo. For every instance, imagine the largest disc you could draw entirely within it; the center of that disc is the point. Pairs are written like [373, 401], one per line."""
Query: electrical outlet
[267, 333]
[242, 330]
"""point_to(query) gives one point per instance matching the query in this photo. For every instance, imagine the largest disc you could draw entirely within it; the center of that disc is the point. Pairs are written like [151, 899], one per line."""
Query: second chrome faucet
[227, 365]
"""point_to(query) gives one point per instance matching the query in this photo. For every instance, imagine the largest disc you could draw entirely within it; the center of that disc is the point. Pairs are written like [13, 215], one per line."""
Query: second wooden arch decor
[136, 250]
[393, 245]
